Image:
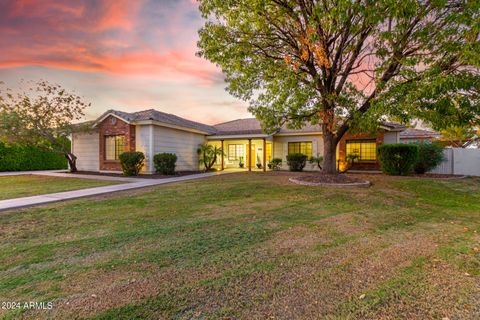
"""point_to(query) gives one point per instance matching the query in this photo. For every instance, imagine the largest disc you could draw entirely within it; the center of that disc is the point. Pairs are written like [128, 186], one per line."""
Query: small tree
[459, 136]
[430, 155]
[317, 161]
[208, 155]
[43, 116]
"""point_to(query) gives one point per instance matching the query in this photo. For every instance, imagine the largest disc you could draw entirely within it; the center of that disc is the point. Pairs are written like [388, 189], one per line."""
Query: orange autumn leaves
[307, 49]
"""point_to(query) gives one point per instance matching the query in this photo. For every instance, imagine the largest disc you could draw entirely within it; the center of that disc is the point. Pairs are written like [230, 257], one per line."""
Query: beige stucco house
[242, 140]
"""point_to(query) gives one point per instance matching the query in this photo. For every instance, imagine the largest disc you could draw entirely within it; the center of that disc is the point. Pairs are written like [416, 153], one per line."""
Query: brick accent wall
[110, 127]
[342, 149]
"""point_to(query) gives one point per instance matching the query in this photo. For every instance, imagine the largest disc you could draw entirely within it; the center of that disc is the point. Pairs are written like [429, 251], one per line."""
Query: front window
[235, 151]
[114, 147]
[300, 147]
[268, 151]
[365, 149]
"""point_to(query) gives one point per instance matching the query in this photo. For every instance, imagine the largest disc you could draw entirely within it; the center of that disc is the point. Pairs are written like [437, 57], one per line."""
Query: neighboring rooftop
[411, 133]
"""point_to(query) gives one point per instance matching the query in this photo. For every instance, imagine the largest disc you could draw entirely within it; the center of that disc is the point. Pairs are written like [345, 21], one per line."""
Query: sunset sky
[117, 54]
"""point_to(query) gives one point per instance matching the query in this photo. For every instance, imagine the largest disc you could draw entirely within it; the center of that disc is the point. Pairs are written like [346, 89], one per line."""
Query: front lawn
[31, 185]
[250, 246]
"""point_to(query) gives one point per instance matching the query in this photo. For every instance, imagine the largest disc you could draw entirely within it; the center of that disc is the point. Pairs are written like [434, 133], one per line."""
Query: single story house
[152, 132]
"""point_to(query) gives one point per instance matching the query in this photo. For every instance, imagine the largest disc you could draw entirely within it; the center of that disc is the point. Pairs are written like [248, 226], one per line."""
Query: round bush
[398, 159]
[132, 162]
[430, 155]
[165, 163]
[296, 161]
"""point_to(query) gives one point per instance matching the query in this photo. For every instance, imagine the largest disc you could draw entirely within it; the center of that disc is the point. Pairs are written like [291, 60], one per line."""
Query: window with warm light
[365, 149]
[114, 147]
[268, 151]
[235, 151]
[300, 147]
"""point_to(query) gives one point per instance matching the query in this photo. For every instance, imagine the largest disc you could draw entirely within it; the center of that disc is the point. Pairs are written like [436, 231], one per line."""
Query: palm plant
[208, 155]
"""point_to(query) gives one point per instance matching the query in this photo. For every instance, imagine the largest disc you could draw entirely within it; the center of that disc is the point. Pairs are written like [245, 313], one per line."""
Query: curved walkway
[69, 195]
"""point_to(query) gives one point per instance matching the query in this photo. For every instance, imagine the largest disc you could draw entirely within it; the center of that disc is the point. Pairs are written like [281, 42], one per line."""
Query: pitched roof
[155, 115]
[235, 127]
[411, 133]
[252, 126]
[395, 126]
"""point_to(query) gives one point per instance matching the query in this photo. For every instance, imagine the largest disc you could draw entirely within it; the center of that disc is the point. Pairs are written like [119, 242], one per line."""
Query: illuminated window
[365, 149]
[268, 151]
[300, 147]
[114, 147]
[235, 151]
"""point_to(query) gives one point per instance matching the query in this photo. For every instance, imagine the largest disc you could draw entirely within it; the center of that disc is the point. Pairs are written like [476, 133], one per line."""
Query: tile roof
[252, 126]
[234, 127]
[411, 133]
[159, 116]
[393, 125]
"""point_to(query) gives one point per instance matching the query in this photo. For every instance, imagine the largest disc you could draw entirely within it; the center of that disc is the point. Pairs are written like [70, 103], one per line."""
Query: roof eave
[168, 125]
[106, 115]
[237, 136]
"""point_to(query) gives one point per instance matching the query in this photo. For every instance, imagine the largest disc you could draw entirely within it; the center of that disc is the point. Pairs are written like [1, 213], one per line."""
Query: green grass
[31, 185]
[250, 246]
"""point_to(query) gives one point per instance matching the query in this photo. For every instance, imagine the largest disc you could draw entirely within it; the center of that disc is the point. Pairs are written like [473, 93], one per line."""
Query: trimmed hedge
[296, 161]
[398, 159]
[165, 163]
[15, 157]
[132, 162]
[430, 156]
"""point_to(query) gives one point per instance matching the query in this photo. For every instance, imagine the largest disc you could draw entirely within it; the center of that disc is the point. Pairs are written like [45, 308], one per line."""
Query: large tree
[345, 64]
[42, 115]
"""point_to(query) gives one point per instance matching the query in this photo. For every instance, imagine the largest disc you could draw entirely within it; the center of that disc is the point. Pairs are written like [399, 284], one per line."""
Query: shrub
[275, 164]
[296, 161]
[132, 162]
[430, 155]
[398, 159]
[17, 157]
[165, 163]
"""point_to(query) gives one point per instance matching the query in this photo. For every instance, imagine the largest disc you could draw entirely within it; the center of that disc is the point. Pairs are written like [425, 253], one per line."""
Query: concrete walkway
[22, 173]
[89, 176]
[69, 195]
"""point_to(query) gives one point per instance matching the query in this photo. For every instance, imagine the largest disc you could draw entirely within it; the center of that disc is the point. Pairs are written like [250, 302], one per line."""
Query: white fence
[460, 161]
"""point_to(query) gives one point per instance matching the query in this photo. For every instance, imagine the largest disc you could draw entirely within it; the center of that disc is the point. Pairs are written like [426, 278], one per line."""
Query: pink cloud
[103, 36]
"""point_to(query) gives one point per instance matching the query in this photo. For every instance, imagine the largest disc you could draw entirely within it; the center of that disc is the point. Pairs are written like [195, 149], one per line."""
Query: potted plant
[259, 162]
[351, 158]
[240, 162]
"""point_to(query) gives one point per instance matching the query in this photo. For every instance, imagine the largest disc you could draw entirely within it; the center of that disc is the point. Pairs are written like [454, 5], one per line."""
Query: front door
[253, 159]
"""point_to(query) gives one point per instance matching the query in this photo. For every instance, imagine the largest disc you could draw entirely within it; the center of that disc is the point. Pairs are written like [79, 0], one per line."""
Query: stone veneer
[112, 126]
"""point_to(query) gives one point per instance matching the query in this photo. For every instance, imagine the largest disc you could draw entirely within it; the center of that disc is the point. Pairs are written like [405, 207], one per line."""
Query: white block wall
[183, 143]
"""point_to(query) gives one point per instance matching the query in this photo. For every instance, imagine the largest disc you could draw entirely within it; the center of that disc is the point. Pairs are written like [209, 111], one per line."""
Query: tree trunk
[329, 153]
[72, 162]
